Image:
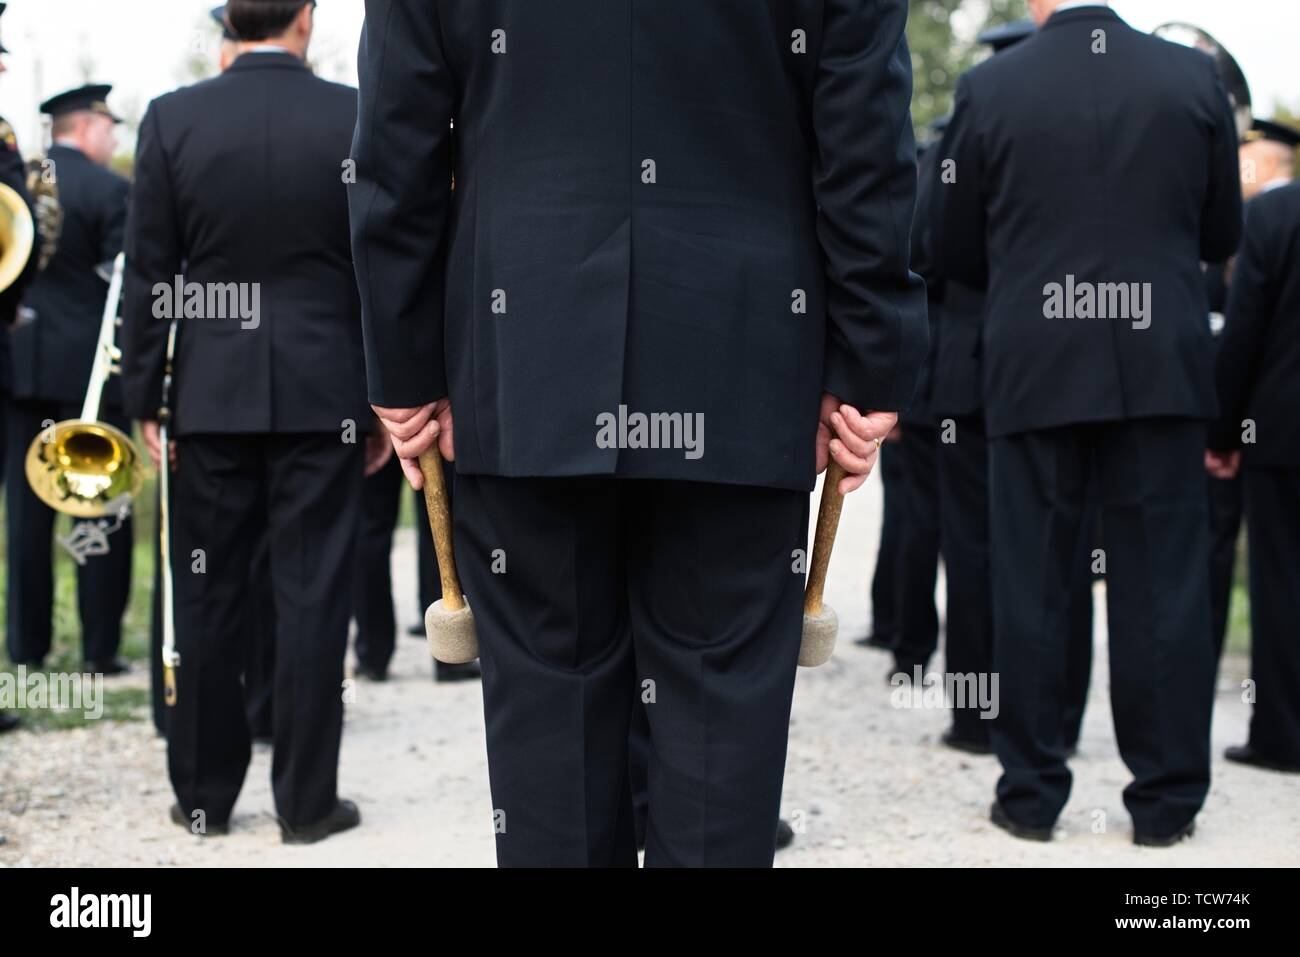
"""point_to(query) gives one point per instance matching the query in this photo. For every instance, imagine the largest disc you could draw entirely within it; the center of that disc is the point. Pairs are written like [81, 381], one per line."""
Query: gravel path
[866, 783]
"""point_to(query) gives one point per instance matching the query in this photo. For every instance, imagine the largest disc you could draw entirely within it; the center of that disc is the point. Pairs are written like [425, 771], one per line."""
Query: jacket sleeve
[400, 201]
[865, 186]
[1222, 213]
[1251, 306]
[153, 255]
[961, 217]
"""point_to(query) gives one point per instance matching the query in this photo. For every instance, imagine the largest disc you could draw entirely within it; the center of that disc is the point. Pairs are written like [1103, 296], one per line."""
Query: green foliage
[940, 55]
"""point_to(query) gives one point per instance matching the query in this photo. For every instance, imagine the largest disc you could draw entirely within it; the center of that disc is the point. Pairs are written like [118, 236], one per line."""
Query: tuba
[84, 467]
[17, 236]
[1230, 73]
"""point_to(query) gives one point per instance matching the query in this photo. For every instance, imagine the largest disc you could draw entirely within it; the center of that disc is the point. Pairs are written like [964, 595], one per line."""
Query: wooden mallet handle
[828, 522]
[436, 504]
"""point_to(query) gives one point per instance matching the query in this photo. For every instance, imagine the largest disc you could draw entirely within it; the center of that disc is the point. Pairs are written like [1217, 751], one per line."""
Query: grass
[120, 704]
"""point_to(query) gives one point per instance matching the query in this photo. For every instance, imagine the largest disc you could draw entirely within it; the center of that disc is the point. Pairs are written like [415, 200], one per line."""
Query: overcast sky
[141, 46]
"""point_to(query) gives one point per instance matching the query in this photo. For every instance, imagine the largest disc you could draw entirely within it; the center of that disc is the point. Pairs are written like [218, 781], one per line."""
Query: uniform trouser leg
[218, 514]
[372, 590]
[558, 673]
[1273, 511]
[639, 769]
[918, 618]
[884, 582]
[314, 496]
[104, 582]
[30, 527]
[1157, 582]
[703, 577]
[1078, 659]
[964, 537]
[259, 666]
[1226, 505]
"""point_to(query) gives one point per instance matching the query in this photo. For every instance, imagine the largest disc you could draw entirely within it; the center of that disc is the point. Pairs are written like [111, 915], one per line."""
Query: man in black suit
[1268, 157]
[956, 401]
[1259, 391]
[1095, 168]
[52, 349]
[259, 668]
[707, 223]
[13, 173]
[241, 197]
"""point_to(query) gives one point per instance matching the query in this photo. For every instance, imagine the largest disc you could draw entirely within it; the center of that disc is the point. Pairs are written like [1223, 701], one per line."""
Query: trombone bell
[84, 469]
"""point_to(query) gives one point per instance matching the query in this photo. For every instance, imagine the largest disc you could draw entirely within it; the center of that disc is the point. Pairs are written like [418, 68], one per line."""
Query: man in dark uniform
[709, 224]
[241, 186]
[1267, 163]
[1096, 168]
[13, 173]
[962, 473]
[52, 350]
[259, 668]
[1259, 390]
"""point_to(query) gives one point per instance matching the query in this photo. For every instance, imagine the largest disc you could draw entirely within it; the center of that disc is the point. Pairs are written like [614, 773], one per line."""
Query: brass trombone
[85, 467]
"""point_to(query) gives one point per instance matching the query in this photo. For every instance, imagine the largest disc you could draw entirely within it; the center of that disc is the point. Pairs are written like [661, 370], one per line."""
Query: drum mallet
[448, 621]
[819, 622]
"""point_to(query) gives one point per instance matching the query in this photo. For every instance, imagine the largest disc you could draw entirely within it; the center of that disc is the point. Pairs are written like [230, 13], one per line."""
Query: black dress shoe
[9, 721]
[417, 631]
[211, 828]
[1152, 840]
[371, 673]
[970, 745]
[1022, 831]
[1245, 754]
[344, 817]
[109, 668]
[467, 672]
[784, 834]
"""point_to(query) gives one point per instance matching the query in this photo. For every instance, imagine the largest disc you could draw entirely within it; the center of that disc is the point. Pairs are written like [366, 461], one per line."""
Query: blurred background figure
[13, 173]
[52, 348]
[1258, 435]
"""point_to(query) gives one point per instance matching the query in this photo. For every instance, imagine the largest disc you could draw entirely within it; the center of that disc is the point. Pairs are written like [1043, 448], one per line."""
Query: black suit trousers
[1152, 493]
[918, 550]
[592, 595]
[103, 583]
[1273, 514]
[303, 492]
[884, 582]
[1227, 502]
[372, 585]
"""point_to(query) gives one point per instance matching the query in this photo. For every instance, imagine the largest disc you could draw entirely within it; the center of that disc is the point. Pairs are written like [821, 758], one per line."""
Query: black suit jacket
[1110, 167]
[1259, 362]
[53, 353]
[240, 179]
[556, 284]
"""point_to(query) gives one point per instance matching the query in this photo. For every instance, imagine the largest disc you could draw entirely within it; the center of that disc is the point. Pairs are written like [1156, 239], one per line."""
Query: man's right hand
[414, 432]
[150, 432]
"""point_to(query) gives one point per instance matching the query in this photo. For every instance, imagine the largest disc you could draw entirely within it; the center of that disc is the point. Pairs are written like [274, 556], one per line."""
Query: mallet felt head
[818, 637]
[452, 639]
